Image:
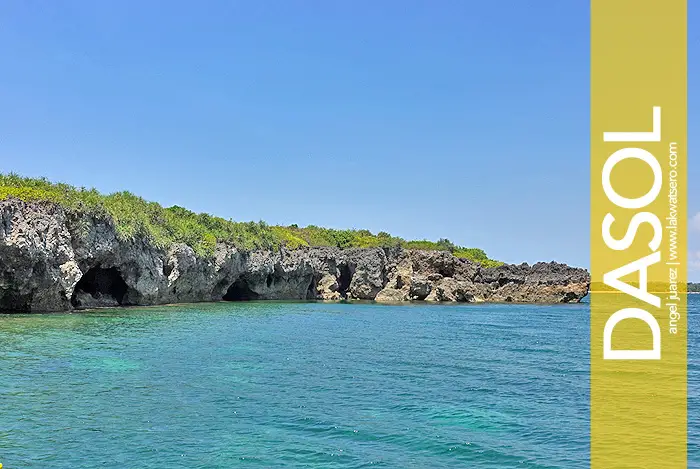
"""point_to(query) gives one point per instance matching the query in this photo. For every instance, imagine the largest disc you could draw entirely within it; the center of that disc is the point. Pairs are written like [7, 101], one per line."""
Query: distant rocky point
[58, 259]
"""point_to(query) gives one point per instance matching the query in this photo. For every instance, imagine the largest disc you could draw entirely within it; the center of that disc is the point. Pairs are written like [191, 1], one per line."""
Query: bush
[135, 217]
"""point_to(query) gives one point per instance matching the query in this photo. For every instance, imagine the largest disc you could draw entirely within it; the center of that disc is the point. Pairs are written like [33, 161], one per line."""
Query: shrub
[135, 217]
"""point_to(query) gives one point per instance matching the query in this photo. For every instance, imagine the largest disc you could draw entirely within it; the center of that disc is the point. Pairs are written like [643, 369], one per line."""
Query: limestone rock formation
[54, 260]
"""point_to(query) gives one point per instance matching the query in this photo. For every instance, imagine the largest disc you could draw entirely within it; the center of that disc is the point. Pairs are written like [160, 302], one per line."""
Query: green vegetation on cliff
[135, 217]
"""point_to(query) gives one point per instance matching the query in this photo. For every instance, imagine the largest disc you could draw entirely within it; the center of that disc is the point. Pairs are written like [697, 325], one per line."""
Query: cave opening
[344, 279]
[13, 301]
[568, 297]
[311, 291]
[240, 291]
[100, 287]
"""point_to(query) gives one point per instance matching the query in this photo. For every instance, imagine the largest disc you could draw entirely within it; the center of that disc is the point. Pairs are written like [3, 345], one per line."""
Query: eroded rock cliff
[54, 260]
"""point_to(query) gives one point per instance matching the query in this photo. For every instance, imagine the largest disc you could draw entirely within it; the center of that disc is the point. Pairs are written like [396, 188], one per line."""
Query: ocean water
[303, 385]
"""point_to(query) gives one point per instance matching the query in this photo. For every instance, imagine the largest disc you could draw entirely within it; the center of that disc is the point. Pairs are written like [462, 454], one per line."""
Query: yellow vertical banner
[638, 234]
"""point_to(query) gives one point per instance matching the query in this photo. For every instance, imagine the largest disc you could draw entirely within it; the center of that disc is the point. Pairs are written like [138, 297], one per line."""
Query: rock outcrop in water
[55, 260]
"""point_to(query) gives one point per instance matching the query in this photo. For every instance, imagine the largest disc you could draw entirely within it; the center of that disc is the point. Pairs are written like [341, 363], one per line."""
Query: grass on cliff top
[135, 217]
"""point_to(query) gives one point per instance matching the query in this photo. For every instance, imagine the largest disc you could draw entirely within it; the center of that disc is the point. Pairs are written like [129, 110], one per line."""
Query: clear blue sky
[458, 119]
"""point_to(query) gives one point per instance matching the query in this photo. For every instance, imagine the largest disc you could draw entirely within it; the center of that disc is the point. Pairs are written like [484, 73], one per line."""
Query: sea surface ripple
[304, 385]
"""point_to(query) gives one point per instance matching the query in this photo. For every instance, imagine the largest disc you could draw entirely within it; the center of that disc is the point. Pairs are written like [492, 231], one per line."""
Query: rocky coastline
[53, 259]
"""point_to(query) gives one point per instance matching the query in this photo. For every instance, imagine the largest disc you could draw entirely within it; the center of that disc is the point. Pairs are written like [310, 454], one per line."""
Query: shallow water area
[293, 384]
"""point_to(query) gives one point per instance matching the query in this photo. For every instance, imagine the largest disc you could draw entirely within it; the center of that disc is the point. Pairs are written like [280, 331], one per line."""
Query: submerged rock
[54, 260]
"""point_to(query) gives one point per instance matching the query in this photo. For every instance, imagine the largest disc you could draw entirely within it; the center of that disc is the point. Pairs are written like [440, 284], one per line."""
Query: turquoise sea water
[307, 385]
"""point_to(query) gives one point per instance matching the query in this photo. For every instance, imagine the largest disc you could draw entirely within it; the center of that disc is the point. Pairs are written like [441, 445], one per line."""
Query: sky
[459, 119]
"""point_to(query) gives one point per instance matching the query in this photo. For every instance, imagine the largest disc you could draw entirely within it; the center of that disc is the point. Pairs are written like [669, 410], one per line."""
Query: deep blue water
[303, 385]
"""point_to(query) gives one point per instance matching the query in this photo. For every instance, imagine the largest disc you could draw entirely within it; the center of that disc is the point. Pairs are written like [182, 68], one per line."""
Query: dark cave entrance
[13, 301]
[311, 291]
[240, 291]
[568, 297]
[99, 287]
[344, 279]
